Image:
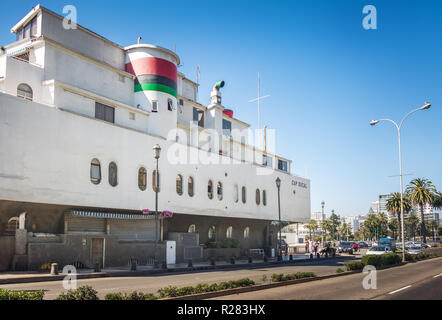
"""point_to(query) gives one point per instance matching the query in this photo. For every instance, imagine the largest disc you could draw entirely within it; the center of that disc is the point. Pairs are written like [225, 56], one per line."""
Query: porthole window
[229, 232]
[190, 187]
[113, 174]
[219, 191]
[258, 197]
[192, 229]
[142, 179]
[154, 181]
[95, 171]
[235, 193]
[212, 233]
[24, 91]
[264, 197]
[179, 185]
[244, 195]
[210, 189]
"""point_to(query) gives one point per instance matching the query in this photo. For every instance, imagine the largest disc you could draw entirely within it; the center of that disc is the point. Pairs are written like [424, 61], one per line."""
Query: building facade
[80, 116]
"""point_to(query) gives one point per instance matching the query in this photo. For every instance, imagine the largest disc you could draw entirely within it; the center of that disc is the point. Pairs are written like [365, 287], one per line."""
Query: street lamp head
[374, 122]
[323, 203]
[278, 182]
[426, 106]
[156, 151]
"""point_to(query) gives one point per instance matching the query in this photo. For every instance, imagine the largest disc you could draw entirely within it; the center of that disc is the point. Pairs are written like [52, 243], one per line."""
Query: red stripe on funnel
[155, 66]
[228, 112]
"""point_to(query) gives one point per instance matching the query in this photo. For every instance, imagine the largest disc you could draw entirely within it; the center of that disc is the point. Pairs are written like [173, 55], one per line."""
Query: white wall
[45, 157]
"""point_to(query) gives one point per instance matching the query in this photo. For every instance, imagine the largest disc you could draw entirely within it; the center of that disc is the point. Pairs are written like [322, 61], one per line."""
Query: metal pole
[279, 215]
[156, 264]
[402, 200]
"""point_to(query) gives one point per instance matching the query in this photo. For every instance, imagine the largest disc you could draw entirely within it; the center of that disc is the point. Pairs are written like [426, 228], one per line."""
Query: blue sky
[327, 77]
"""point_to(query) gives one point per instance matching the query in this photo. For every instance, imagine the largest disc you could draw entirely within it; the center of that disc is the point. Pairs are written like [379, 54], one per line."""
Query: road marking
[440, 274]
[393, 292]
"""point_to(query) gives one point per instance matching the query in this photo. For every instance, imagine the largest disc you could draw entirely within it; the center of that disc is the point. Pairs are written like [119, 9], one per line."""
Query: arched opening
[179, 185]
[190, 187]
[113, 174]
[24, 91]
[229, 232]
[154, 181]
[95, 171]
[142, 179]
[12, 226]
[212, 233]
[192, 229]
[264, 197]
[246, 233]
[235, 193]
[219, 191]
[210, 189]
[258, 197]
[244, 195]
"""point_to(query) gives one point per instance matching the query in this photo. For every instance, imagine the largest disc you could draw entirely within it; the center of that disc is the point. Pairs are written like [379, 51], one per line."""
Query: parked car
[422, 244]
[345, 246]
[363, 244]
[379, 250]
[414, 250]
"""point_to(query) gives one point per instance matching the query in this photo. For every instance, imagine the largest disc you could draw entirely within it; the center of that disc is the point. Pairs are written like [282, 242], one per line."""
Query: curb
[46, 278]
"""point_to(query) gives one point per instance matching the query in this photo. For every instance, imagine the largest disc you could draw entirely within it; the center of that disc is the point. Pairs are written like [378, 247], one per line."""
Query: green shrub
[202, 288]
[21, 295]
[339, 270]
[382, 260]
[82, 293]
[130, 296]
[354, 265]
[293, 276]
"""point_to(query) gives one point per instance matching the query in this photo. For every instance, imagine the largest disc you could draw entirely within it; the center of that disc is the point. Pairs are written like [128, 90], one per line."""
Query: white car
[379, 250]
[414, 250]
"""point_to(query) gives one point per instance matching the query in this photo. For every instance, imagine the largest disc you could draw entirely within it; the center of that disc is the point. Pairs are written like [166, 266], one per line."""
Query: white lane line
[440, 274]
[393, 292]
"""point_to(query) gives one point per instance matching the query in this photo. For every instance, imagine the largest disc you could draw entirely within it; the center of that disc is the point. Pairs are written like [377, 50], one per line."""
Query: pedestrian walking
[306, 247]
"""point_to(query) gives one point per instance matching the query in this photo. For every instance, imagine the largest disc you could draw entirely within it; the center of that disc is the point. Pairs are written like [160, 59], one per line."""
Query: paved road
[420, 280]
[151, 284]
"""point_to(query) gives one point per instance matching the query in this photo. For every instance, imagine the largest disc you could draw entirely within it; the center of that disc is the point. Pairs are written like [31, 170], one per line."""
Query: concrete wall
[7, 249]
[45, 157]
[73, 248]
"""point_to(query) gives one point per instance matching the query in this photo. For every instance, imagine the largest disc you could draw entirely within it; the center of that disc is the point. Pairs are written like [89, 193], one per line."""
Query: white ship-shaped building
[79, 118]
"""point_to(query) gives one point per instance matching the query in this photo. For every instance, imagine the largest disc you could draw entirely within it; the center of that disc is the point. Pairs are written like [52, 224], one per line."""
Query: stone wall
[7, 248]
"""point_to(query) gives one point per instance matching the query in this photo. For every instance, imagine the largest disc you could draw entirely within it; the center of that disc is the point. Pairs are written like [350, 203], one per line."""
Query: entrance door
[97, 251]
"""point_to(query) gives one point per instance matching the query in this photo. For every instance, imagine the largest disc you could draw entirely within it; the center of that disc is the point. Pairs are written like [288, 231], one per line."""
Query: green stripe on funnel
[155, 87]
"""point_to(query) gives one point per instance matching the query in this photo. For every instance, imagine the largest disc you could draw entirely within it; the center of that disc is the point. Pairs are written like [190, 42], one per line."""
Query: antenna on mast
[259, 98]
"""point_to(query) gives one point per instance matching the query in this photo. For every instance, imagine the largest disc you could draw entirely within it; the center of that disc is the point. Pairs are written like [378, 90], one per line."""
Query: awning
[106, 215]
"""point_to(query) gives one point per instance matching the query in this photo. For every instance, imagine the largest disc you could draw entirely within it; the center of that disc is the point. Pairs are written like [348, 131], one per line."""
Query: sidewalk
[29, 277]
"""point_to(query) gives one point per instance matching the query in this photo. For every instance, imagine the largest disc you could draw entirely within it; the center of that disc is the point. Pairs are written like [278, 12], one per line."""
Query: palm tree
[437, 203]
[393, 226]
[326, 226]
[344, 230]
[312, 226]
[421, 192]
[412, 223]
[394, 207]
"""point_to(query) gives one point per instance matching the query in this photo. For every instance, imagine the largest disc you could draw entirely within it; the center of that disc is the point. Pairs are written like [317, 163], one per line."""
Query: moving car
[379, 250]
[363, 244]
[414, 250]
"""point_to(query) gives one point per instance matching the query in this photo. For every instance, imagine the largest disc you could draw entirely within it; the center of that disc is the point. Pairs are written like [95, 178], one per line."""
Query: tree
[326, 226]
[393, 226]
[421, 192]
[394, 207]
[312, 226]
[344, 230]
[412, 223]
[437, 203]
[432, 225]
[335, 222]
[382, 224]
[372, 225]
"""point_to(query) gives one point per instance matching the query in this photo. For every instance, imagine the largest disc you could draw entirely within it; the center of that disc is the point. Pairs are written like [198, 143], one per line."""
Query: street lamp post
[156, 154]
[398, 127]
[278, 185]
[322, 220]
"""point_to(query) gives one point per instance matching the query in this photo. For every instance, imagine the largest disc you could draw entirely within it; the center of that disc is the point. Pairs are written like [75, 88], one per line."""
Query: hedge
[130, 296]
[82, 293]
[279, 277]
[21, 295]
[354, 265]
[381, 260]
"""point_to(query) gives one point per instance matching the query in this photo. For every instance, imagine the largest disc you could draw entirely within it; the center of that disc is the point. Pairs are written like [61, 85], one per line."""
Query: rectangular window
[34, 27]
[227, 127]
[131, 116]
[154, 106]
[27, 31]
[267, 161]
[282, 165]
[104, 112]
[170, 104]
[181, 102]
[198, 117]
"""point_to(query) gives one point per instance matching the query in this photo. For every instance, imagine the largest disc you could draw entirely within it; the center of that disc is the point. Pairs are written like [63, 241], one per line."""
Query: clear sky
[327, 77]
